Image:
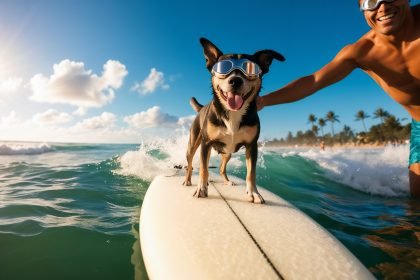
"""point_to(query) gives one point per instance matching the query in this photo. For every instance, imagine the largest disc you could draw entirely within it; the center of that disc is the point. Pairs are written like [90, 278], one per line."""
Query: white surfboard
[225, 237]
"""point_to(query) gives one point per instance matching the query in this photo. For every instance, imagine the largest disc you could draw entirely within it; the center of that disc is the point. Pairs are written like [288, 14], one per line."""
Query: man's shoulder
[361, 46]
[356, 52]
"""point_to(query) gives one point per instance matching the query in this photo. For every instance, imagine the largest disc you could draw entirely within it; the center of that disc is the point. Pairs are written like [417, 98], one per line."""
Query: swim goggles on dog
[225, 67]
[370, 5]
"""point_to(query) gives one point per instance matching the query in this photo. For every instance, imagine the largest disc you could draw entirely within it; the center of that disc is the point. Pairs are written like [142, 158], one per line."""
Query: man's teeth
[386, 17]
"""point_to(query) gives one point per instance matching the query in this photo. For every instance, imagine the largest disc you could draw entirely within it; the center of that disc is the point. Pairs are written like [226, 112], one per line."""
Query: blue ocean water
[71, 211]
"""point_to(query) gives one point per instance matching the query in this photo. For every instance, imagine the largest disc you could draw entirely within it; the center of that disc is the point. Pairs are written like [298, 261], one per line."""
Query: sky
[123, 71]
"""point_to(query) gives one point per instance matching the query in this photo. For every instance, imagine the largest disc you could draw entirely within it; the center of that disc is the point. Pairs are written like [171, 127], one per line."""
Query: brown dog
[230, 120]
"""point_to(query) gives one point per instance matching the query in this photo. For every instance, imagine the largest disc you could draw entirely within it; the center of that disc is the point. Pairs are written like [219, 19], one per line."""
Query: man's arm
[337, 69]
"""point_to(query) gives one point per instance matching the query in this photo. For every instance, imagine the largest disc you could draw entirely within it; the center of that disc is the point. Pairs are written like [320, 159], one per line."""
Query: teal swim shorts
[415, 143]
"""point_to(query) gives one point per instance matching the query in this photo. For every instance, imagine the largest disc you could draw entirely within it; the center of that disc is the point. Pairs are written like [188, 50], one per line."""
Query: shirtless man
[389, 53]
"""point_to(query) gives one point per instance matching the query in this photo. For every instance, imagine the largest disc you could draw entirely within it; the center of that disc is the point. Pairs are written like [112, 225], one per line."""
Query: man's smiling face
[388, 17]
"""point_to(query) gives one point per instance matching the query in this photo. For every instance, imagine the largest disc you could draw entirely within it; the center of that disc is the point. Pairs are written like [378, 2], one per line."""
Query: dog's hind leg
[202, 186]
[251, 166]
[222, 170]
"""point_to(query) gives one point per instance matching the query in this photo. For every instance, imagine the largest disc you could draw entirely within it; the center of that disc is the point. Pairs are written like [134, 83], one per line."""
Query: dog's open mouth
[234, 100]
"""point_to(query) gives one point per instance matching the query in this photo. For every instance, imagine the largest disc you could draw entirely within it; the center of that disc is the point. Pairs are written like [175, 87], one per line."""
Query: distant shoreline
[334, 146]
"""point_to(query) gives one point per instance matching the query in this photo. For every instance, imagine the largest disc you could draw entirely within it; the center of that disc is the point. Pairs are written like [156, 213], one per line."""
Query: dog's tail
[195, 105]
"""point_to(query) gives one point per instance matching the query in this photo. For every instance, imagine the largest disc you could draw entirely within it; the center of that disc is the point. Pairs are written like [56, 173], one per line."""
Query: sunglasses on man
[371, 5]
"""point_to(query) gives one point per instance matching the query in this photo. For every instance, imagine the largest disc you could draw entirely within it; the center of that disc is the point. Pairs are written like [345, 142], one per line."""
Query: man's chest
[396, 66]
[411, 56]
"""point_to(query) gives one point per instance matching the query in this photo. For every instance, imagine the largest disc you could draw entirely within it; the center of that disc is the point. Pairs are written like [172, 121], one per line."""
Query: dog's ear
[211, 52]
[265, 57]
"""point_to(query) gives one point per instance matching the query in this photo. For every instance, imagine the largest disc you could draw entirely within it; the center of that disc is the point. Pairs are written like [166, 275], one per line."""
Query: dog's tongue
[234, 101]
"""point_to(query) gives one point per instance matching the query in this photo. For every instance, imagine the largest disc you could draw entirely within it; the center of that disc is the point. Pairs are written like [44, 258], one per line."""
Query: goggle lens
[224, 67]
[251, 68]
[370, 5]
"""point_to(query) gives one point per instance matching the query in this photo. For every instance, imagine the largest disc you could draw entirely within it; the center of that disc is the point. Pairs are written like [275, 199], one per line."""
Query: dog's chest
[231, 135]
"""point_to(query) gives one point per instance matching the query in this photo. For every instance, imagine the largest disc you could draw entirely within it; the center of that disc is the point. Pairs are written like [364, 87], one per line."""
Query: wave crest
[154, 158]
[382, 171]
[7, 149]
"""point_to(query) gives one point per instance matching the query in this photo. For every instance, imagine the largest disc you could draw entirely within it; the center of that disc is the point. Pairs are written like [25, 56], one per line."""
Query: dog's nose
[236, 82]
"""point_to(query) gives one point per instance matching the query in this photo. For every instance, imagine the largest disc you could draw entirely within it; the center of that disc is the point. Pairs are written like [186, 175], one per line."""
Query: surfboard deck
[225, 237]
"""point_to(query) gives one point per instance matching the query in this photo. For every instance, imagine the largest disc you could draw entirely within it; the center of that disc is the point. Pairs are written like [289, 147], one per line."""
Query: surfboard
[224, 236]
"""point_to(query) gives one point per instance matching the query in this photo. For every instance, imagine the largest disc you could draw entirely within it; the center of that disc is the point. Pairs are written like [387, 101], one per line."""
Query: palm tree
[312, 119]
[381, 114]
[332, 118]
[321, 123]
[346, 134]
[361, 116]
[315, 129]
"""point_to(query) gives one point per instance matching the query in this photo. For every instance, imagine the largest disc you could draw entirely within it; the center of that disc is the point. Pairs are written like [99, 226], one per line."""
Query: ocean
[71, 211]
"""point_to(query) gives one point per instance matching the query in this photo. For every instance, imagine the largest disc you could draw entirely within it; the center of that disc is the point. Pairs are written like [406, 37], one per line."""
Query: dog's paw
[229, 183]
[255, 197]
[201, 192]
[187, 183]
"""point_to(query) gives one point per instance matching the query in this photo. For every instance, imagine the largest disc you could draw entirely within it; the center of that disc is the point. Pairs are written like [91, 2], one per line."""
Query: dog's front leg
[222, 170]
[251, 166]
[202, 186]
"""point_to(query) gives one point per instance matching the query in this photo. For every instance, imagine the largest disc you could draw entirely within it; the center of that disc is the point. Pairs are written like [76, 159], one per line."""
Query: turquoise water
[71, 211]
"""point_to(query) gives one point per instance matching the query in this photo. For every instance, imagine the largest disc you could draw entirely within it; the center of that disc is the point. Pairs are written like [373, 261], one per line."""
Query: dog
[230, 121]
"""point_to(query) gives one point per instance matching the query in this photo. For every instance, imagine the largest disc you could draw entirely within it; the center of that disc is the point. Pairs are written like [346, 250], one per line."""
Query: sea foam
[160, 156]
[379, 171]
[157, 157]
[24, 148]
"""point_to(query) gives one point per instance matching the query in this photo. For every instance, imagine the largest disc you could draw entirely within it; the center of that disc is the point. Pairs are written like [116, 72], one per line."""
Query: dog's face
[235, 90]
[236, 78]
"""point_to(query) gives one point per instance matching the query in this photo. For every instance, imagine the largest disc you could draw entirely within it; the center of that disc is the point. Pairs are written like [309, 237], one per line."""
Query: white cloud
[72, 84]
[155, 80]
[51, 126]
[185, 122]
[81, 111]
[52, 116]
[153, 117]
[10, 85]
[99, 129]
[114, 73]
[104, 121]
[10, 120]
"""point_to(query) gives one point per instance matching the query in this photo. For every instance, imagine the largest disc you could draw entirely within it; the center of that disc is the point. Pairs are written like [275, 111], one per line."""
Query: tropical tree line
[388, 130]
